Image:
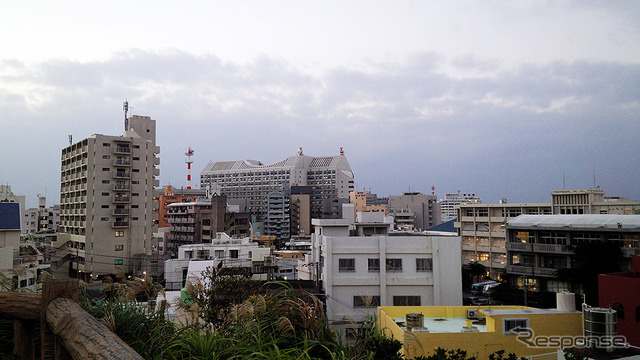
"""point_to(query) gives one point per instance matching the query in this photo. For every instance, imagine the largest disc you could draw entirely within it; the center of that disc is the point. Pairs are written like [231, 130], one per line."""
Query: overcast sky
[499, 98]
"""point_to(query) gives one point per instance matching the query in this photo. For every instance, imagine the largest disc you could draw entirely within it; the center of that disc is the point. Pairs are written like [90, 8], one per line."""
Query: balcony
[545, 272]
[628, 251]
[120, 224]
[121, 199]
[122, 150]
[520, 270]
[121, 175]
[121, 162]
[122, 187]
[552, 248]
[120, 212]
[518, 246]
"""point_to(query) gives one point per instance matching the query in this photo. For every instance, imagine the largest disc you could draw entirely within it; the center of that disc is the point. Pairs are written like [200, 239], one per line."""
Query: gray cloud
[501, 134]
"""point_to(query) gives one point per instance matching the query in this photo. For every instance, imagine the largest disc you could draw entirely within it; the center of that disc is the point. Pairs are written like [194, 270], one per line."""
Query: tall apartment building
[42, 219]
[106, 199]
[300, 211]
[448, 204]
[414, 210]
[330, 178]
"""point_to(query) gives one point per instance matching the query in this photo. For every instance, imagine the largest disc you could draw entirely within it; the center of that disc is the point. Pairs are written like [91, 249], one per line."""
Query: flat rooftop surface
[442, 325]
[524, 311]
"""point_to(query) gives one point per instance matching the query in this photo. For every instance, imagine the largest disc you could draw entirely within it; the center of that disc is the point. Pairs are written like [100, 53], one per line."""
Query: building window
[104, 219]
[233, 254]
[135, 194]
[394, 265]
[638, 314]
[619, 310]
[118, 262]
[483, 257]
[374, 265]
[106, 169]
[119, 233]
[134, 206]
[219, 254]
[424, 265]
[515, 326]
[105, 181]
[105, 194]
[106, 156]
[136, 158]
[135, 182]
[105, 206]
[106, 144]
[366, 301]
[119, 247]
[136, 170]
[346, 265]
[406, 300]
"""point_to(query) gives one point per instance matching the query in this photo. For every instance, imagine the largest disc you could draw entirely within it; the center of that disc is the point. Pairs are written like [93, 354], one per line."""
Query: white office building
[362, 264]
[448, 204]
[330, 178]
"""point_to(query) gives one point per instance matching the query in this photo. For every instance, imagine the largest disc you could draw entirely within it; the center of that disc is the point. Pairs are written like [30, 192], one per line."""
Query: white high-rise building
[330, 178]
[106, 199]
[450, 201]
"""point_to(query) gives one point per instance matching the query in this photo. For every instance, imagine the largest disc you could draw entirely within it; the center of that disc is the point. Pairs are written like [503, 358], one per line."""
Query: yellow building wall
[480, 344]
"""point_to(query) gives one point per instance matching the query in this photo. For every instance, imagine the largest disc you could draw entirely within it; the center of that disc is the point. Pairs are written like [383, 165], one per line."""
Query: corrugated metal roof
[591, 221]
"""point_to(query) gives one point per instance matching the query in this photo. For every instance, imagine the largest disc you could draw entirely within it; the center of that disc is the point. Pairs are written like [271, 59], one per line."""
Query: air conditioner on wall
[472, 313]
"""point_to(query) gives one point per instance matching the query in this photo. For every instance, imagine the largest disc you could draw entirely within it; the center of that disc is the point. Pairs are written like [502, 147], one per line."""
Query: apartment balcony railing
[121, 199]
[121, 162]
[546, 272]
[120, 224]
[520, 270]
[552, 248]
[121, 175]
[122, 150]
[120, 212]
[122, 187]
[518, 246]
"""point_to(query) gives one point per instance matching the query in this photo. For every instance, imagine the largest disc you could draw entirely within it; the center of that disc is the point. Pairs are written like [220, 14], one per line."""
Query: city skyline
[503, 100]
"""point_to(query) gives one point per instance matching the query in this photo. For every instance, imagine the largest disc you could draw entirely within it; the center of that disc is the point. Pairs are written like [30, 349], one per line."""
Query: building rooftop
[591, 221]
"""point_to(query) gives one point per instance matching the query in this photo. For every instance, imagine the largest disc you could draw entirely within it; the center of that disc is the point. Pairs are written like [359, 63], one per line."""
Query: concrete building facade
[448, 205]
[414, 210]
[172, 196]
[106, 199]
[42, 219]
[363, 265]
[330, 178]
[539, 246]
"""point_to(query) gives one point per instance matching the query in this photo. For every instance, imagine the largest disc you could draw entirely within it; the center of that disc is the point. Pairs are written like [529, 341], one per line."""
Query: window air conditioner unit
[472, 313]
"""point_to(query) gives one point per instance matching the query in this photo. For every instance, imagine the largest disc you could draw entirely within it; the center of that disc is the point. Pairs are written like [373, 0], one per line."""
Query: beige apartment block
[481, 228]
[106, 200]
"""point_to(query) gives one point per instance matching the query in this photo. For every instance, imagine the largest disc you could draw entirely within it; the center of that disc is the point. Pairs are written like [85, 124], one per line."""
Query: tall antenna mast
[189, 153]
[70, 140]
[125, 107]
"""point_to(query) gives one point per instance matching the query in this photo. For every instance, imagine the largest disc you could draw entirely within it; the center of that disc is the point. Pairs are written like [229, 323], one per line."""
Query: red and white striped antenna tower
[189, 153]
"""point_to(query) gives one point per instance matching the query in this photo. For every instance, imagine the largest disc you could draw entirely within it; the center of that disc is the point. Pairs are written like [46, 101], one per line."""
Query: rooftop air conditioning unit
[472, 313]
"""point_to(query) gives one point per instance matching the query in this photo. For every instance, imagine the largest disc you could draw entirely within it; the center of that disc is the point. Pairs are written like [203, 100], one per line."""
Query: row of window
[368, 301]
[392, 265]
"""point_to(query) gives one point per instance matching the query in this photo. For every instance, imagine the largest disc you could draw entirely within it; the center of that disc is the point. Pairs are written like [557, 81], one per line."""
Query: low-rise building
[222, 251]
[362, 264]
[478, 330]
[538, 246]
[42, 219]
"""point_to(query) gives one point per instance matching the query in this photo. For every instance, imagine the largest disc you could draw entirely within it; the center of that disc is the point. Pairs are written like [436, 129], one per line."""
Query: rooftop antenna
[594, 178]
[563, 181]
[125, 107]
[433, 189]
[341, 151]
[70, 140]
[300, 151]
